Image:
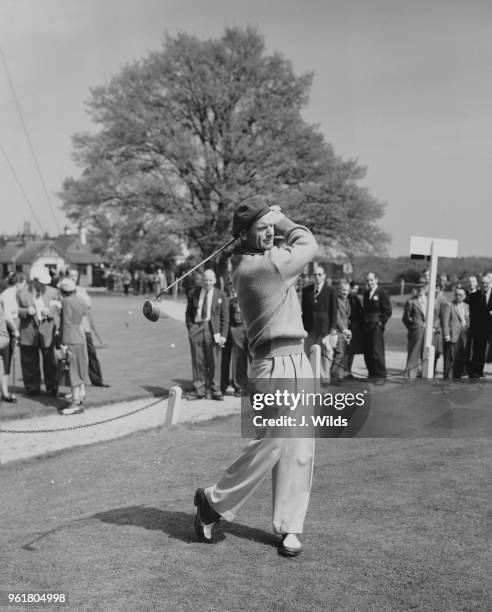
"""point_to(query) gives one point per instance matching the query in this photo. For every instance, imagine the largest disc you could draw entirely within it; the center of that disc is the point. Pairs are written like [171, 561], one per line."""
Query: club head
[151, 311]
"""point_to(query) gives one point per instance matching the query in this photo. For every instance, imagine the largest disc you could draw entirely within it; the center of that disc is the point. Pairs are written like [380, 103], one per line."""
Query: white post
[315, 360]
[429, 350]
[173, 406]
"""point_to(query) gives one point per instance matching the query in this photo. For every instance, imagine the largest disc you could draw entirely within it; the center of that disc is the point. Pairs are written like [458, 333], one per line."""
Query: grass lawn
[392, 525]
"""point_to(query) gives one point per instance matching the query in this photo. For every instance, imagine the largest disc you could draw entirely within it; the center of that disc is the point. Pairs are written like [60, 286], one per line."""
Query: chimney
[83, 235]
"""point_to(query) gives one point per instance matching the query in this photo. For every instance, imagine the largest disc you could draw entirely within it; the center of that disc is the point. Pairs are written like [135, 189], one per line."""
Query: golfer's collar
[247, 250]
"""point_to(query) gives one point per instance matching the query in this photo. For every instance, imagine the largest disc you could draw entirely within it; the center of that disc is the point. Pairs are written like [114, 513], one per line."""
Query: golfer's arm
[300, 248]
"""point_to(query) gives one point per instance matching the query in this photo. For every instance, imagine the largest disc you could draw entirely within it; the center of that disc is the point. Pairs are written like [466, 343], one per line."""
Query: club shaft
[195, 268]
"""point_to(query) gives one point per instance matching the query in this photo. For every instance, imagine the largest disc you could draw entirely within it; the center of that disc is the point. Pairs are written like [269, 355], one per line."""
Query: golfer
[264, 277]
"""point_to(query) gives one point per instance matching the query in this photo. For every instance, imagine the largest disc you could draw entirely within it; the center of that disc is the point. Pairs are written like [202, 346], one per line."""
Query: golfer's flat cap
[247, 213]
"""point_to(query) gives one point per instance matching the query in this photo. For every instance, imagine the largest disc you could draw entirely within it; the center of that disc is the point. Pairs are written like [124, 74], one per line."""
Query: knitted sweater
[265, 285]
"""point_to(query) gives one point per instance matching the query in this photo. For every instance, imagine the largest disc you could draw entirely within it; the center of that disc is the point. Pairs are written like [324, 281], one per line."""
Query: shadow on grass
[178, 525]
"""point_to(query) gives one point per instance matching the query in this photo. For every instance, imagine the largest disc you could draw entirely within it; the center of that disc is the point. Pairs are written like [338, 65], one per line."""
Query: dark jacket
[480, 318]
[377, 310]
[219, 313]
[319, 315]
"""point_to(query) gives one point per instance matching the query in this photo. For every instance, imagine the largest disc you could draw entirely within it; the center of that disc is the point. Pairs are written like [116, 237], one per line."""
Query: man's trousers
[374, 351]
[206, 357]
[290, 460]
[31, 371]
[95, 373]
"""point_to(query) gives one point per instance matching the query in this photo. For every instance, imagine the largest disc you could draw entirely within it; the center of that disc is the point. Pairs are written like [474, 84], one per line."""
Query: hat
[41, 275]
[67, 285]
[247, 213]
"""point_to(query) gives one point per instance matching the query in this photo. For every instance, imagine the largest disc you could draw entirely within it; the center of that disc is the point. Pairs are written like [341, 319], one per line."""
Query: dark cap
[247, 213]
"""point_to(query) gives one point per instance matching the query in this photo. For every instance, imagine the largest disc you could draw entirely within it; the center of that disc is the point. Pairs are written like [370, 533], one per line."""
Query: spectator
[39, 322]
[480, 303]
[413, 318]
[455, 326]
[440, 305]
[339, 367]
[72, 337]
[127, 281]
[356, 345]
[377, 312]
[319, 317]
[207, 320]
[235, 353]
[95, 371]
[161, 280]
[472, 285]
[5, 357]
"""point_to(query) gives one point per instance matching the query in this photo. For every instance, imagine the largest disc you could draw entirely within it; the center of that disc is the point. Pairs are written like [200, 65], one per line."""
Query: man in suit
[440, 306]
[455, 324]
[414, 320]
[377, 311]
[39, 316]
[207, 320]
[480, 304]
[319, 317]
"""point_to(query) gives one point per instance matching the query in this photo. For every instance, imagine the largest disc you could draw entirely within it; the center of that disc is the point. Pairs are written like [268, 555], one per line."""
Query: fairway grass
[392, 525]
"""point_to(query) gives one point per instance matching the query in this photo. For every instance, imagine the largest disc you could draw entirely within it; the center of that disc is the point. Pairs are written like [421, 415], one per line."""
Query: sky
[403, 87]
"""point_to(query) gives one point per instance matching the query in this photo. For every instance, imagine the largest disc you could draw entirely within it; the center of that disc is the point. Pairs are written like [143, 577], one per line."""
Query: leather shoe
[218, 396]
[10, 399]
[205, 515]
[289, 550]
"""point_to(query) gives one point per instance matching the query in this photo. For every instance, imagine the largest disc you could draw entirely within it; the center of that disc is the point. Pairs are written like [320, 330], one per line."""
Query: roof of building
[68, 248]
[73, 250]
[33, 250]
[10, 252]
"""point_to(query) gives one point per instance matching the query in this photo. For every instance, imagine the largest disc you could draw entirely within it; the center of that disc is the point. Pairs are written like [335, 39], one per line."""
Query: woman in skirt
[73, 337]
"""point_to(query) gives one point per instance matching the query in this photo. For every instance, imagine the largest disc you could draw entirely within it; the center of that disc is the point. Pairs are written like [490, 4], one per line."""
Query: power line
[11, 84]
[21, 188]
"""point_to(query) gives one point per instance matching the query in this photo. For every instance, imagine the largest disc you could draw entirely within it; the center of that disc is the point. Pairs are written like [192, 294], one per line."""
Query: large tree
[191, 130]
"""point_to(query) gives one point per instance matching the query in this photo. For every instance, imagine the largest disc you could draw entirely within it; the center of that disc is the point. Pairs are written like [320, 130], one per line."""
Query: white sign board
[420, 245]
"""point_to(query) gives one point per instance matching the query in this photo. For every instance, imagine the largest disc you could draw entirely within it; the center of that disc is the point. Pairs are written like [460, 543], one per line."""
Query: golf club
[151, 310]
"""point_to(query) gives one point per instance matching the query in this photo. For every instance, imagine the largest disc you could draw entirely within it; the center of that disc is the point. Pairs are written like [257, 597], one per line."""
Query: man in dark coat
[377, 311]
[319, 317]
[480, 304]
[207, 320]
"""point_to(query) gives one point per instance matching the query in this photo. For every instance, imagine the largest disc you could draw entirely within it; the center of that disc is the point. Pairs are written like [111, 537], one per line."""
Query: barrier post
[173, 406]
[315, 360]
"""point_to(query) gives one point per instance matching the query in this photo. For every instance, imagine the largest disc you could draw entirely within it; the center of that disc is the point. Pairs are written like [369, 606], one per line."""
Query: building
[57, 254]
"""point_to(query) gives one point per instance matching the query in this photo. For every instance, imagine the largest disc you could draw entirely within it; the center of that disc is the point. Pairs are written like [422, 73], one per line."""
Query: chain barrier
[82, 425]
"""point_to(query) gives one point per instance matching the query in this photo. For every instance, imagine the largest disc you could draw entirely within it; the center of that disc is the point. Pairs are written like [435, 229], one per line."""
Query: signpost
[421, 248]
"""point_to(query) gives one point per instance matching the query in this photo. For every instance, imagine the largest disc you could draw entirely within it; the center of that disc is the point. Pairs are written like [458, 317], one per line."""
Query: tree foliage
[193, 129]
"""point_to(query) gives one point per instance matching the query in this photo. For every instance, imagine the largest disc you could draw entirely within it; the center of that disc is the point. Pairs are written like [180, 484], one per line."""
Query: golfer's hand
[31, 311]
[447, 338]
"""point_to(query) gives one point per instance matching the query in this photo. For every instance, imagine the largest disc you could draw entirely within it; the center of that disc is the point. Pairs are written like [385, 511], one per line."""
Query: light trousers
[290, 460]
